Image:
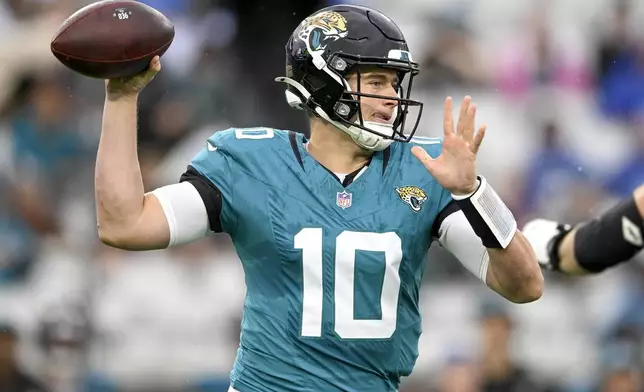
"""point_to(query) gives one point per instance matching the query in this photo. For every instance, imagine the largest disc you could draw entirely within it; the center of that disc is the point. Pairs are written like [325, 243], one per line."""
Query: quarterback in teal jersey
[332, 230]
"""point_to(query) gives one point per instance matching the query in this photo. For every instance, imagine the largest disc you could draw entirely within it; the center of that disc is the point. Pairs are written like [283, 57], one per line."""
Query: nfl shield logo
[343, 200]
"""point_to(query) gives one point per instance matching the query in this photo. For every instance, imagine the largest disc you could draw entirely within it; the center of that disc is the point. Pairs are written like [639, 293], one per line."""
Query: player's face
[379, 81]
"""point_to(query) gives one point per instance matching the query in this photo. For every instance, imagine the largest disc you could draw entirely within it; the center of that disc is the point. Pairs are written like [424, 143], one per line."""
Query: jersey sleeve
[211, 173]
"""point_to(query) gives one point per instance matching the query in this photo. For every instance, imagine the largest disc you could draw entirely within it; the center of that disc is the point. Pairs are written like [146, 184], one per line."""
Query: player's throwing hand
[131, 86]
[455, 168]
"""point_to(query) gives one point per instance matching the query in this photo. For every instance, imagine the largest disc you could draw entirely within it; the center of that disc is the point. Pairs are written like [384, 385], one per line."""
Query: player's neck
[335, 150]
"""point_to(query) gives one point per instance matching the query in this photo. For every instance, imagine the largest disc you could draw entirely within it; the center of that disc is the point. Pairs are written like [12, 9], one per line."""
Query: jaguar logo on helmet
[322, 27]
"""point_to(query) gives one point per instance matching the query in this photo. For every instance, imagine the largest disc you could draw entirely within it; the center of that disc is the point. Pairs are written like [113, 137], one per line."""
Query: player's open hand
[131, 86]
[455, 168]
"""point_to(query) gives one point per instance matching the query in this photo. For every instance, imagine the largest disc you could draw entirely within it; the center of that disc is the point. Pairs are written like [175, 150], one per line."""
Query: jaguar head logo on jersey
[413, 196]
[344, 199]
[322, 27]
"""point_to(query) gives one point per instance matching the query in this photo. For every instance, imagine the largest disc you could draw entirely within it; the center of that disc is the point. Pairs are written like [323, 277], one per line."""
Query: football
[112, 38]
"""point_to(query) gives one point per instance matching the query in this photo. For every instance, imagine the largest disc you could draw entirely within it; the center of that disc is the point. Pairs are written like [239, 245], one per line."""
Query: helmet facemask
[349, 108]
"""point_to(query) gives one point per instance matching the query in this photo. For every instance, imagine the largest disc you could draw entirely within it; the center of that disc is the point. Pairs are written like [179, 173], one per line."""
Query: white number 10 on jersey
[309, 240]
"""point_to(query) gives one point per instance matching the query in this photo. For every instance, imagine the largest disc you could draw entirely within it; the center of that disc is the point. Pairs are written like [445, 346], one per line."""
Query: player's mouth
[381, 118]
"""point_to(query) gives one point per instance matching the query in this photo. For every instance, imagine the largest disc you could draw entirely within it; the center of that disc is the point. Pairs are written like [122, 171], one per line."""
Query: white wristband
[490, 218]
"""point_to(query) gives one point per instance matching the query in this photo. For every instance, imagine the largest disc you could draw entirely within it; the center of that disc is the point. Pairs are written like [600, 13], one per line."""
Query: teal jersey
[332, 272]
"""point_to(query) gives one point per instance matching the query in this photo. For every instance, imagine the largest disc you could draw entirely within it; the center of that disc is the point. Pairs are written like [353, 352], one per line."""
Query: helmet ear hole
[343, 110]
[347, 107]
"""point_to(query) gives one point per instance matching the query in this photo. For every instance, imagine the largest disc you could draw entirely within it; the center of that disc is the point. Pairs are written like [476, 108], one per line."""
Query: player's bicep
[457, 236]
[149, 232]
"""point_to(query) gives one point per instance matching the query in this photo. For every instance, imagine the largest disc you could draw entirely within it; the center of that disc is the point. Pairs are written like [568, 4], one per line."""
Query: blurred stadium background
[559, 82]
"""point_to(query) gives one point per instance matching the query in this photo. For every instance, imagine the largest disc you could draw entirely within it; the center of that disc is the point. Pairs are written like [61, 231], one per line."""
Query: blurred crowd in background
[560, 84]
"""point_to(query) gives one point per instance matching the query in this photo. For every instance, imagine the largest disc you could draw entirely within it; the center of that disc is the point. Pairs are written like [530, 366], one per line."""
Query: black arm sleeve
[613, 238]
[209, 193]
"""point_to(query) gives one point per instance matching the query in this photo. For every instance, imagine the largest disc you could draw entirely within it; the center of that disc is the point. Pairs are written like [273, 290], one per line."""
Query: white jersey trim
[185, 212]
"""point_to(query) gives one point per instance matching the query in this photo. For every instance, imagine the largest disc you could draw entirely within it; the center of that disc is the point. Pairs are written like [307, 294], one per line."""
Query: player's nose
[391, 93]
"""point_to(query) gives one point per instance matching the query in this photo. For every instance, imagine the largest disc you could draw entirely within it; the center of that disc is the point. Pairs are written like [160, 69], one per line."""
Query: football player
[594, 246]
[332, 230]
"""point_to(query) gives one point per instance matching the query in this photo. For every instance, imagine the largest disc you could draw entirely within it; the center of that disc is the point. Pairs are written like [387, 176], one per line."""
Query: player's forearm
[514, 271]
[576, 259]
[119, 185]
[568, 263]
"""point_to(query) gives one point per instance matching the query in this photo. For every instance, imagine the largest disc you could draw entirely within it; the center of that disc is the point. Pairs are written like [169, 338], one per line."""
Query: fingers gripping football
[131, 86]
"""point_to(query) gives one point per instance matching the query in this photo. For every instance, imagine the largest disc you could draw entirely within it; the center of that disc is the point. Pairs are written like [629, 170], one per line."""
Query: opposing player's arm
[590, 248]
[481, 233]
